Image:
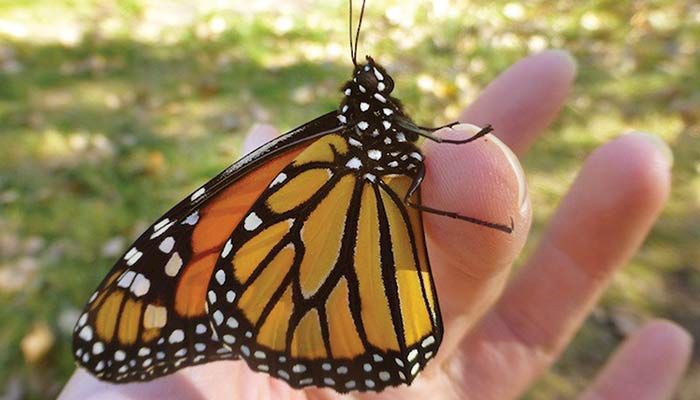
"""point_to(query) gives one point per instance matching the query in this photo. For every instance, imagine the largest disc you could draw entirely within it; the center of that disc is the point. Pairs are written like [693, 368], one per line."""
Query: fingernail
[568, 57]
[257, 136]
[512, 160]
[256, 128]
[659, 144]
[517, 170]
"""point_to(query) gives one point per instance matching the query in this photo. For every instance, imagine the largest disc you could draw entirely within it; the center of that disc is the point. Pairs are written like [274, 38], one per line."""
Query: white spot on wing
[132, 260]
[342, 118]
[354, 163]
[174, 264]
[126, 279]
[141, 285]
[130, 253]
[161, 227]
[161, 224]
[218, 317]
[354, 142]
[230, 339]
[282, 176]
[362, 125]
[364, 106]
[197, 194]
[380, 97]
[167, 244]
[98, 348]
[86, 333]
[227, 249]
[177, 336]
[192, 219]
[220, 276]
[155, 317]
[374, 154]
[252, 221]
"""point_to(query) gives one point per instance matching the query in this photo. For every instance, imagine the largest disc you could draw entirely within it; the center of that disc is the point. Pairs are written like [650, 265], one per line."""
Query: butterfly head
[373, 77]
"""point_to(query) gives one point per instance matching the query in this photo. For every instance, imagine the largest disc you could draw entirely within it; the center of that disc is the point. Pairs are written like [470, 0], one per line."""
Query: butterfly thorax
[378, 143]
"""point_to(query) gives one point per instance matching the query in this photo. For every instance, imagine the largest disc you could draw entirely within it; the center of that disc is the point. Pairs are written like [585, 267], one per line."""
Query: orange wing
[327, 281]
[148, 317]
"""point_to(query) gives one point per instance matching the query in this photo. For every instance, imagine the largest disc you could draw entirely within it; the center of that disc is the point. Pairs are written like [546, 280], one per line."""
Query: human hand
[498, 341]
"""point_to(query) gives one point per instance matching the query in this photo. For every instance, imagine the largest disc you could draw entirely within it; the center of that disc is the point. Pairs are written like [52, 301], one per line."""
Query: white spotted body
[379, 144]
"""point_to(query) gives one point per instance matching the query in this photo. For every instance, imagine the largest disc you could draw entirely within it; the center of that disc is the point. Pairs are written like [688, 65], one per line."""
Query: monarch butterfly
[306, 258]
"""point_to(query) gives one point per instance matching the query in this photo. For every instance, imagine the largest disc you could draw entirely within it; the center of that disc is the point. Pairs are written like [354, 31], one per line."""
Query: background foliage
[110, 111]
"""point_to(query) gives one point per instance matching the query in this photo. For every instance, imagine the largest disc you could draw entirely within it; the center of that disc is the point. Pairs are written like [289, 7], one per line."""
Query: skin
[501, 335]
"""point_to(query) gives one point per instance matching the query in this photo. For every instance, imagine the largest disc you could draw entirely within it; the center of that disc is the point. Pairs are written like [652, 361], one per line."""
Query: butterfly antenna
[359, 26]
[352, 51]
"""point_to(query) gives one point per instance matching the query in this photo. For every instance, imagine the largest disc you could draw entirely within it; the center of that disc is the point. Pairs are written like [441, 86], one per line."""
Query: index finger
[525, 99]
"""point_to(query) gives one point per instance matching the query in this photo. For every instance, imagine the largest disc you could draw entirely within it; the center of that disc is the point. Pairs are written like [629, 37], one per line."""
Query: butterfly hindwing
[148, 317]
[326, 282]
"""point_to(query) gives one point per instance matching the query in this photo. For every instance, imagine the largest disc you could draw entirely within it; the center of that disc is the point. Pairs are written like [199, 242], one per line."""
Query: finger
[648, 366]
[599, 225]
[525, 99]
[213, 380]
[209, 381]
[470, 262]
[258, 135]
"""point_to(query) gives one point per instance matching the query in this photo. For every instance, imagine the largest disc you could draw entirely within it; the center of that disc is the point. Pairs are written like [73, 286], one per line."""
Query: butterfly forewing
[326, 282]
[302, 258]
[148, 318]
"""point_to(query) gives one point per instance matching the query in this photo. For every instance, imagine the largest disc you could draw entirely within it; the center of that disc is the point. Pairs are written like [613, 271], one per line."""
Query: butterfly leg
[416, 184]
[427, 132]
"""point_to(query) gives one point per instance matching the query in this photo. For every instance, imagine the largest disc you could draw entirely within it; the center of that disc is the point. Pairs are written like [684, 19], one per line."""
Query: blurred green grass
[110, 111]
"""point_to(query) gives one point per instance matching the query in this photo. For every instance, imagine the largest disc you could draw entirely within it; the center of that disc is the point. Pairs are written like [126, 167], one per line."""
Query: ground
[111, 111]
